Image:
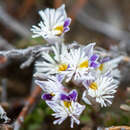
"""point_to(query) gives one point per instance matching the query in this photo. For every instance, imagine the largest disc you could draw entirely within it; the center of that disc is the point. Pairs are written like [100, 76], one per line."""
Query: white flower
[82, 62]
[54, 64]
[110, 67]
[75, 63]
[102, 90]
[55, 23]
[64, 109]
[52, 87]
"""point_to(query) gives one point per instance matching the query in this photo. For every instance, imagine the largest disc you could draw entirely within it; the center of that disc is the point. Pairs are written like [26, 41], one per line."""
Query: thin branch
[28, 105]
[30, 53]
[18, 53]
[118, 128]
[4, 90]
[6, 127]
[125, 58]
[13, 24]
[87, 127]
[125, 107]
[4, 44]
[106, 53]
[102, 27]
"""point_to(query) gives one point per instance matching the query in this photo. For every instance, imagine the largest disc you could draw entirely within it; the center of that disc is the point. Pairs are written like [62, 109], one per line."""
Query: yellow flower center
[52, 94]
[62, 67]
[60, 29]
[93, 86]
[67, 104]
[84, 64]
[101, 67]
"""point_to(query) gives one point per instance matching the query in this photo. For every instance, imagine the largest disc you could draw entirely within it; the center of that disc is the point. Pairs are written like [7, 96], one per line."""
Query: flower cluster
[86, 69]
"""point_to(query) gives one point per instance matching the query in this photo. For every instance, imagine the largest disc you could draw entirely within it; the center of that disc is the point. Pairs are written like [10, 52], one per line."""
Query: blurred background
[106, 22]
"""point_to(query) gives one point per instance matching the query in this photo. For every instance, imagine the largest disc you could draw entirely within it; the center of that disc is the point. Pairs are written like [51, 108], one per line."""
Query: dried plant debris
[3, 116]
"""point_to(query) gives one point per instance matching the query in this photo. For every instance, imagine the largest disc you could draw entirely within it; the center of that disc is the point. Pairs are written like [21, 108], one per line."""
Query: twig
[118, 128]
[28, 105]
[13, 24]
[4, 90]
[102, 27]
[4, 44]
[87, 127]
[30, 53]
[6, 127]
[125, 58]
[125, 107]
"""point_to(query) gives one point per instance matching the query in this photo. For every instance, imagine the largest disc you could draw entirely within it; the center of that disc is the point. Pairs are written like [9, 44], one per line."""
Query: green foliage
[117, 118]
[34, 120]
[85, 117]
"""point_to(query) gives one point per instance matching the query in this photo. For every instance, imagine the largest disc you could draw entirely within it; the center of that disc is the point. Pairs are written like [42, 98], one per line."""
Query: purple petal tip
[64, 97]
[67, 22]
[94, 64]
[106, 59]
[94, 57]
[46, 96]
[73, 95]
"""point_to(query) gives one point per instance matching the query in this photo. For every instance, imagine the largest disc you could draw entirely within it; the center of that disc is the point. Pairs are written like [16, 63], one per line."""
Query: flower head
[53, 25]
[75, 63]
[109, 67]
[52, 88]
[62, 103]
[102, 90]
[82, 63]
[53, 62]
[64, 109]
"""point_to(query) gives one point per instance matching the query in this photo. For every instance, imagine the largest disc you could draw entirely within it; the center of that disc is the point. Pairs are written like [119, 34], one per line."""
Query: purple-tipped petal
[86, 83]
[94, 57]
[46, 96]
[73, 95]
[108, 74]
[66, 29]
[106, 59]
[60, 77]
[94, 64]
[67, 22]
[39, 83]
[68, 66]
[64, 97]
[89, 49]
